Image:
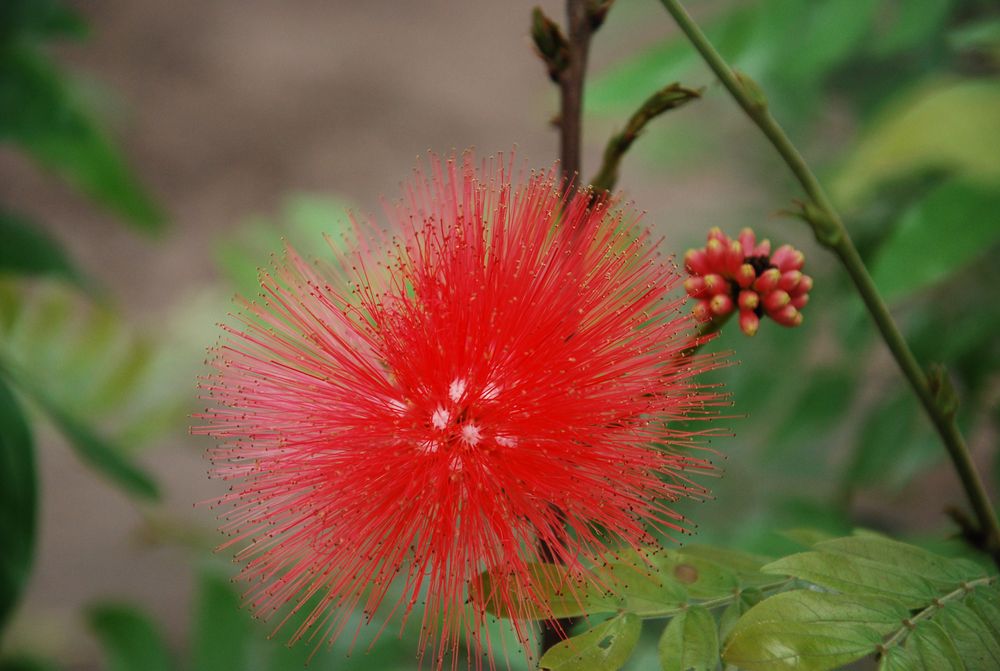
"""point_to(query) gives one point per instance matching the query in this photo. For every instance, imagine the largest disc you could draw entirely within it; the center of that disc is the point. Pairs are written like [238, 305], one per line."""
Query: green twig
[927, 613]
[831, 233]
[667, 98]
[717, 601]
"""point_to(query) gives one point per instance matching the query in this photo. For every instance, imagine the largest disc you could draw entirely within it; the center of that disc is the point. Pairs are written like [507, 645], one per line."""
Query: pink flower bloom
[504, 373]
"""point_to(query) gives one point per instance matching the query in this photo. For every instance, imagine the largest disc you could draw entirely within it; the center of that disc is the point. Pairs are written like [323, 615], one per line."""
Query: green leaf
[87, 359]
[818, 406]
[87, 443]
[951, 227]
[624, 87]
[944, 125]
[102, 455]
[977, 644]
[41, 112]
[850, 574]
[222, 631]
[690, 642]
[810, 631]
[25, 249]
[303, 222]
[927, 648]
[606, 647]
[831, 32]
[807, 537]
[912, 24]
[745, 565]
[701, 577]
[895, 443]
[731, 614]
[37, 19]
[985, 602]
[18, 501]
[944, 572]
[642, 588]
[130, 640]
[24, 663]
[566, 593]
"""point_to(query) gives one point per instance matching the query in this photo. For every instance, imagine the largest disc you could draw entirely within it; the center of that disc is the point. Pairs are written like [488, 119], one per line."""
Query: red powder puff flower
[499, 378]
[742, 275]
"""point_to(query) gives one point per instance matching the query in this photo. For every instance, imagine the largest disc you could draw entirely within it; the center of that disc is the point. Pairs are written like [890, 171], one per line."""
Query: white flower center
[471, 434]
[456, 389]
[440, 417]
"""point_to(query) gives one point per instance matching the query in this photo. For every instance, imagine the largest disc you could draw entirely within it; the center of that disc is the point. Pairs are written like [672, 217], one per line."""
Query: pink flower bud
[715, 233]
[701, 311]
[768, 281]
[776, 300]
[787, 316]
[749, 322]
[695, 262]
[695, 287]
[749, 300]
[748, 240]
[805, 285]
[734, 258]
[790, 280]
[745, 276]
[716, 284]
[800, 301]
[721, 305]
[787, 257]
[715, 250]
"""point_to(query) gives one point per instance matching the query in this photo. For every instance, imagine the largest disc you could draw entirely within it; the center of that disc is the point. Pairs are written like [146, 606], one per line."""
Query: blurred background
[153, 155]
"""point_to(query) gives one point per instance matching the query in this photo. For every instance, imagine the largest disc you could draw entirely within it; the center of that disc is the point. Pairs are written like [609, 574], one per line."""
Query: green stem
[910, 623]
[831, 232]
[716, 602]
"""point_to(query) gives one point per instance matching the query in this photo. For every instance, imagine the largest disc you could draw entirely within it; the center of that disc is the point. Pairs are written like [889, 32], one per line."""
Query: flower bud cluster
[745, 276]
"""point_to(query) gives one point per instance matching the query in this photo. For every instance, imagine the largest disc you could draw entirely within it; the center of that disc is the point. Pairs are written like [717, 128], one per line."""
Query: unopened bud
[749, 300]
[790, 280]
[696, 262]
[745, 276]
[721, 305]
[768, 281]
[748, 240]
[787, 258]
[715, 250]
[749, 322]
[695, 287]
[776, 300]
[715, 284]
[734, 258]
[701, 311]
[787, 316]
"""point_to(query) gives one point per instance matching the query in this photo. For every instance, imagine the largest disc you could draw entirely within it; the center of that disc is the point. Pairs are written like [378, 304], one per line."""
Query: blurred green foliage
[897, 103]
[73, 359]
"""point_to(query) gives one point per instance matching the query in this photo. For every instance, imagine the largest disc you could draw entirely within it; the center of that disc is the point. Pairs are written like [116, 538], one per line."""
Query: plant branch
[579, 28]
[910, 623]
[667, 98]
[717, 601]
[566, 58]
[935, 394]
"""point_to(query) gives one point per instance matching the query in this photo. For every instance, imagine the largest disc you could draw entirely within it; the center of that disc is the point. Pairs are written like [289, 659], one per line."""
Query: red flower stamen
[503, 374]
